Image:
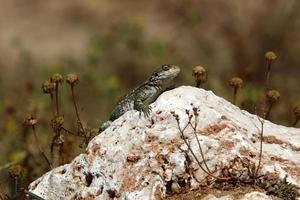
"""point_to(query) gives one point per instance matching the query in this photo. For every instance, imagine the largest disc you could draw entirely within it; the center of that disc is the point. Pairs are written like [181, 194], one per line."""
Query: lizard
[142, 96]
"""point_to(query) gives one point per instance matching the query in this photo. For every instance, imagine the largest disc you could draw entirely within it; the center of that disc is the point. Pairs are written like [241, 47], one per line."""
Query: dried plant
[272, 97]
[73, 80]
[261, 145]
[57, 79]
[200, 75]
[51, 87]
[297, 115]
[270, 57]
[195, 114]
[235, 83]
[31, 121]
[15, 172]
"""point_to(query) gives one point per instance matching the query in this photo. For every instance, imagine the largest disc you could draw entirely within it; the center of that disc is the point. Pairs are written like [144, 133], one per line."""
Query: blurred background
[114, 45]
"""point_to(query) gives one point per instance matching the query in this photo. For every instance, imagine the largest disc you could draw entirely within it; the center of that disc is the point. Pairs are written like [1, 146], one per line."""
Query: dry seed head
[15, 171]
[273, 96]
[57, 78]
[94, 132]
[236, 82]
[200, 74]
[60, 140]
[270, 56]
[30, 121]
[195, 110]
[57, 121]
[297, 111]
[72, 79]
[48, 87]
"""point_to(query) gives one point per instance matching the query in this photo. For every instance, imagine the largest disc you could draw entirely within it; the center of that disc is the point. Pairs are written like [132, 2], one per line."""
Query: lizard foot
[146, 111]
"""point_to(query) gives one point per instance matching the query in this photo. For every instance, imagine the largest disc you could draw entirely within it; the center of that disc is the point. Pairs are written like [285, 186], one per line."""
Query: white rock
[136, 158]
[256, 196]
[213, 197]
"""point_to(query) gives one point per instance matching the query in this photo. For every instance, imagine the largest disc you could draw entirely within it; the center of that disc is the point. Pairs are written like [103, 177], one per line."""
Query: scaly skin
[141, 97]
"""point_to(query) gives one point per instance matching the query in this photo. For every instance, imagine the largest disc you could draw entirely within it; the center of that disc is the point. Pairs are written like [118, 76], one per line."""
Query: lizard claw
[146, 111]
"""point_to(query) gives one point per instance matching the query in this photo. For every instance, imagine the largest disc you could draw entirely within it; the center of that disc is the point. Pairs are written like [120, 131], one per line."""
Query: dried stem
[56, 98]
[16, 186]
[235, 90]
[52, 104]
[296, 121]
[199, 145]
[268, 112]
[260, 147]
[181, 131]
[70, 132]
[39, 146]
[76, 110]
[4, 196]
[268, 74]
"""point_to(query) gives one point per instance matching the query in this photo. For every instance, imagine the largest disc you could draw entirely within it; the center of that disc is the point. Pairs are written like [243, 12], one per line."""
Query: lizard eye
[165, 67]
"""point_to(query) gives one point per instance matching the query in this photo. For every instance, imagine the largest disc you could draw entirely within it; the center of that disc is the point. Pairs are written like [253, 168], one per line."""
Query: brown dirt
[201, 193]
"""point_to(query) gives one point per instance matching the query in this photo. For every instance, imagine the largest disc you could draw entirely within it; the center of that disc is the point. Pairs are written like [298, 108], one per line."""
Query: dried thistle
[57, 79]
[272, 98]
[72, 79]
[297, 115]
[15, 172]
[235, 83]
[57, 122]
[270, 57]
[200, 74]
[48, 87]
[32, 121]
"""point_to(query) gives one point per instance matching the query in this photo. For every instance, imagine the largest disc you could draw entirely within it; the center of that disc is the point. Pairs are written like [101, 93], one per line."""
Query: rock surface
[141, 159]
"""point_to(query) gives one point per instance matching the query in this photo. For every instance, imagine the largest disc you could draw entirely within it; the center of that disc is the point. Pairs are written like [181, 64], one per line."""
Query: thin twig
[260, 148]
[181, 131]
[267, 84]
[268, 112]
[39, 147]
[70, 132]
[52, 104]
[234, 95]
[188, 145]
[296, 121]
[76, 109]
[199, 145]
[56, 96]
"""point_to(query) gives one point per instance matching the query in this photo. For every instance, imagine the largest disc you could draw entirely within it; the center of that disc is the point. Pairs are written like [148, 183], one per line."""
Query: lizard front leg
[142, 107]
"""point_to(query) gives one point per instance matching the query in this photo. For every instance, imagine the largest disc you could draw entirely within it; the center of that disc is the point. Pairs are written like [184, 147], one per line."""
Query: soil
[236, 193]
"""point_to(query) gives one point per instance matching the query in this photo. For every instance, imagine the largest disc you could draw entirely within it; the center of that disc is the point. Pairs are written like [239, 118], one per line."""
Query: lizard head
[164, 74]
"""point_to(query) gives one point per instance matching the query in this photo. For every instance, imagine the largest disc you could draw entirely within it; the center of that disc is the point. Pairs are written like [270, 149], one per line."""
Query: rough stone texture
[256, 196]
[249, 196]
[138, 158]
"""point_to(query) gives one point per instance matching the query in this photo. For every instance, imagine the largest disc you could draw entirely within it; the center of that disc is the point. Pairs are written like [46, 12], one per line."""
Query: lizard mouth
[174, 71]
